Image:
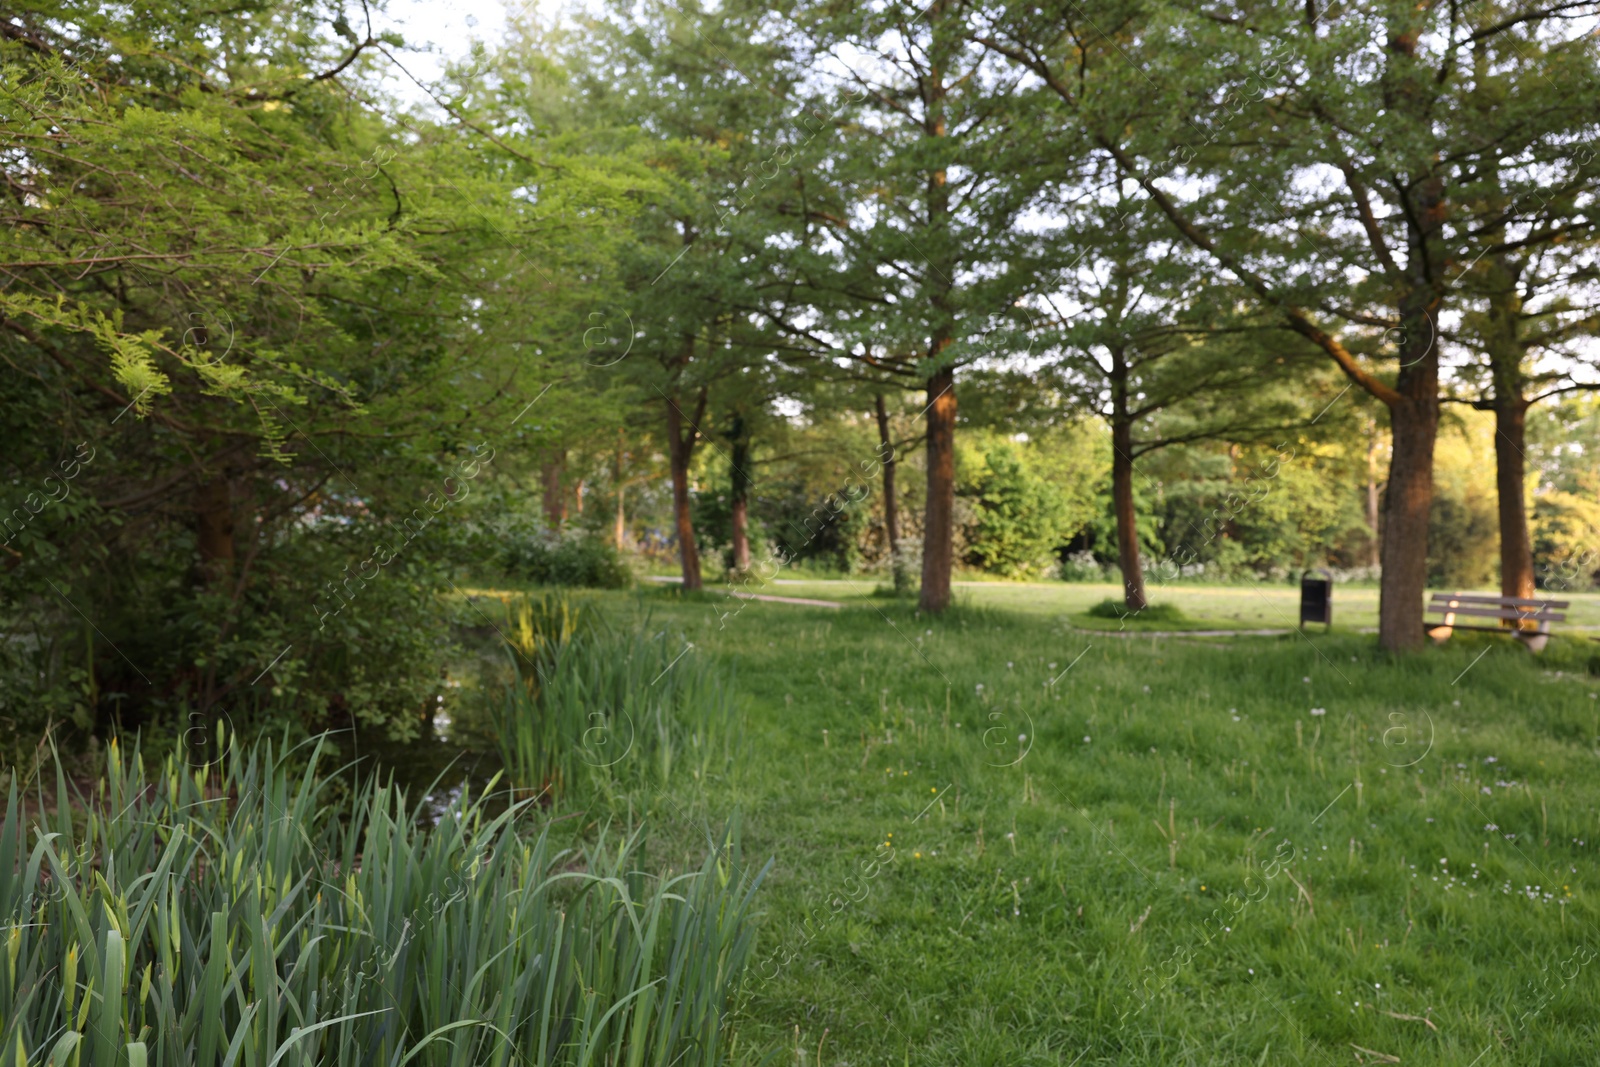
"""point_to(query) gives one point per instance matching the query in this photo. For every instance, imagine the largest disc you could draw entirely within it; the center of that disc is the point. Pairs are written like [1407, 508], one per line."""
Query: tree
[1531, 352]
[1355, 263]
[1147, 345]
[699, 244]
[1020, 515]
[276, 323]
[907, 275]
[1527, 308]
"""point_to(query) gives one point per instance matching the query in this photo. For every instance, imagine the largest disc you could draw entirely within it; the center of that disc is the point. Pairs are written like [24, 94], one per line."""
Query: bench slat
[1473, 598]
[1501, 613]
[1496, 630]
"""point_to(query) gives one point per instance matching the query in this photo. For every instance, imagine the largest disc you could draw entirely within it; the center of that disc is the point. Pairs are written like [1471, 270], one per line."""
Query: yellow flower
[916, 855]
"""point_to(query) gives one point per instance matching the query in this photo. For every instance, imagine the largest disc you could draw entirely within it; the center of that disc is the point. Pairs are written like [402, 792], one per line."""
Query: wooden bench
[1526, 620]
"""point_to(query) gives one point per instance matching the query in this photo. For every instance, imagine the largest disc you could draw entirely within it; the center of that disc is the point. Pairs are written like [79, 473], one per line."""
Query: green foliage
[828, 528]
[277, 324]
[1260, 511]
[1566, 535]
[1100, 532]
[1111, 608]
[1463, 522]
[574, 558]
[1020, 517]
[225, 913]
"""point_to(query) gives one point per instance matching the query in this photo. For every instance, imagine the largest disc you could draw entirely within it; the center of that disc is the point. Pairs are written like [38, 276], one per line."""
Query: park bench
[1510, 610]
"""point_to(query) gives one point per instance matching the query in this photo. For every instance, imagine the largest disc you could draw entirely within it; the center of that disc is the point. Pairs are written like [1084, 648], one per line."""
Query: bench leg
[1535, 641]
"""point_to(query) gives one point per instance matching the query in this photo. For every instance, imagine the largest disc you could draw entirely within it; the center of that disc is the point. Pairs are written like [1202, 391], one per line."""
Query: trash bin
[1316, 598]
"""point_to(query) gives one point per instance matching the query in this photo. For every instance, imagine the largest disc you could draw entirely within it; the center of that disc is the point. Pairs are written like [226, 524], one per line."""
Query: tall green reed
[601, 706]
[225, 915]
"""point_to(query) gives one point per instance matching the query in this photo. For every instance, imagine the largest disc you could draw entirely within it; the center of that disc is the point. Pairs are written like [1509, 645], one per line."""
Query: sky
[447, 31]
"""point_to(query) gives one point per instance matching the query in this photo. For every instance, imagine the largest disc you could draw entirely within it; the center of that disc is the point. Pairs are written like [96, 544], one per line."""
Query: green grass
[977, 867]
[1113, 612]
[1258, 606]
[999, 839]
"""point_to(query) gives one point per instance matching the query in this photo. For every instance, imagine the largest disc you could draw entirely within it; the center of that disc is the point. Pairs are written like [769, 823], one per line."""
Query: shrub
[225, 914]
[582, 560]
[1111, 608]
[321, 635]
[1081, 566]
[1020, 517]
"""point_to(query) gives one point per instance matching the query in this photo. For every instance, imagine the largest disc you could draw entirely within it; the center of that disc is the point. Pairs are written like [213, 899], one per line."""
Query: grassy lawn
[1219, 607]
[1152, 850]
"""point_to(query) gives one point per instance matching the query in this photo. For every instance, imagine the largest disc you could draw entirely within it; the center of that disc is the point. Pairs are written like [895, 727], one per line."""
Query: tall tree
[701, 101]
[1531, 335]
[1141, 339]
[910, 275]
[1530, 267]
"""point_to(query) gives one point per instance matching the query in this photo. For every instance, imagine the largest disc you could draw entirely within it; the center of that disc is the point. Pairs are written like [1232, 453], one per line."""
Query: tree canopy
[898, 288]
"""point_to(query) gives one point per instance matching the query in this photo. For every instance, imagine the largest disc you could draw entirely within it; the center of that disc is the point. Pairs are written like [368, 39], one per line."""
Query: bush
[335, 624]
[583, 560]
[1020, 517]
[231, 914]
[1082, 566]
[1111, 608]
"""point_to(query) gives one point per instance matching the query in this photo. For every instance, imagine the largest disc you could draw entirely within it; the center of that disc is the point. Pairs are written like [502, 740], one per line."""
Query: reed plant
[597, 705]
[227, 915]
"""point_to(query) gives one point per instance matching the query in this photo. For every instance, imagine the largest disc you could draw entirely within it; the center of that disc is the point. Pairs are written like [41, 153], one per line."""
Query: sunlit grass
[1067, 810]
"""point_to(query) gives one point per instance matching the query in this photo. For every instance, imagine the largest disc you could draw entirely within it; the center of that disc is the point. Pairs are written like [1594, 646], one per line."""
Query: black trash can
[1316, 598]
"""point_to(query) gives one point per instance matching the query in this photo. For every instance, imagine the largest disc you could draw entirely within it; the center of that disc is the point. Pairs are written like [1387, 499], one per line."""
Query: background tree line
[1237, 288]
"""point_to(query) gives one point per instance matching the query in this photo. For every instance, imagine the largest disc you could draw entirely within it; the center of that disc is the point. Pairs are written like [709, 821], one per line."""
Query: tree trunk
[1372, 491]
[680, 450]
[1516, 547]
[891, 506]
[739, 478]
[938, 526]
[1407, 500]
[621, 529]
[1127, 519]
[555, 508]
[577, 494]
[741, 536]
[213, 510]
[1413, 422]
[1128, 561]
[1504, 344]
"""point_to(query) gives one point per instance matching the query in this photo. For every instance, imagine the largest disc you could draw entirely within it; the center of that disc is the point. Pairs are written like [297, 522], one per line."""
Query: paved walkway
[760, 596]
[790, 600]
[1207, 633]
[1183, 633]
